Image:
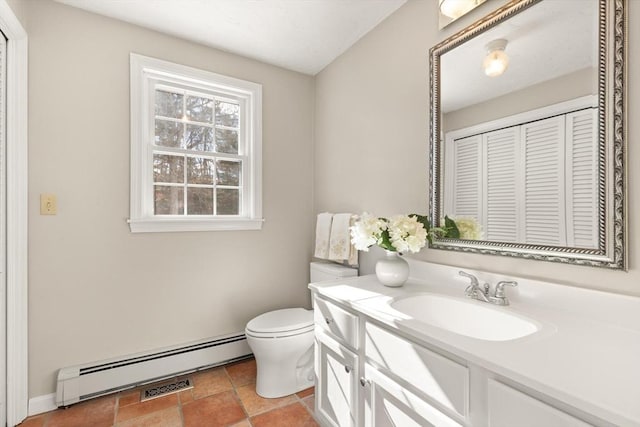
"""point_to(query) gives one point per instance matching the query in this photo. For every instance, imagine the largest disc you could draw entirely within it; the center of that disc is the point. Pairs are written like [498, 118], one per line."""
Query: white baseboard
[40, 404]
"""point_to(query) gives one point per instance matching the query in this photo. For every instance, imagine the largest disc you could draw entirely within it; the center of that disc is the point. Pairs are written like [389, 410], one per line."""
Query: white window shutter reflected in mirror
[543, 148]
[468, 177]
[534, 181]
[501, 178]
[582, 185]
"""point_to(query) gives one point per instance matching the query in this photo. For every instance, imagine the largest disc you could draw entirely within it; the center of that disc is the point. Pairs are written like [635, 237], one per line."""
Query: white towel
[353, 252]
[340, 239]
[323, 232]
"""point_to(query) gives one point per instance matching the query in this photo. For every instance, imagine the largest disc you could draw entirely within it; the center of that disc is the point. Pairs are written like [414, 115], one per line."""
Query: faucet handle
[500, 287]
[469, 291]
[474, 279]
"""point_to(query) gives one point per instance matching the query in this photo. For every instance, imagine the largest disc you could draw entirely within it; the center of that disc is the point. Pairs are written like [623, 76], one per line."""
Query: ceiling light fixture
[454, 9]
[496, 61]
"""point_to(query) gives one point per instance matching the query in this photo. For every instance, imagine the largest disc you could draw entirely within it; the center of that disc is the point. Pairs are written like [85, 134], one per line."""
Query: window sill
[159, 225]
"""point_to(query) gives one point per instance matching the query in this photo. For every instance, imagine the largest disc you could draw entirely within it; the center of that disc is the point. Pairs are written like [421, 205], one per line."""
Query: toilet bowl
[282, 341]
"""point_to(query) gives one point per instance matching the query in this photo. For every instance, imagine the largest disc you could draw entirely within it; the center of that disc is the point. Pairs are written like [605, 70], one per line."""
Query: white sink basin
[465, 317]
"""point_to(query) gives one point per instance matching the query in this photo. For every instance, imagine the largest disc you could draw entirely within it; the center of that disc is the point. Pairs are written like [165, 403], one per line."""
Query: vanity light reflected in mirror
[496, 61]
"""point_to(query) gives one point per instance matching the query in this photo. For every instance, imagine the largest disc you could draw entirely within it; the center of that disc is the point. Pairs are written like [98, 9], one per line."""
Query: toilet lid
[288, 319]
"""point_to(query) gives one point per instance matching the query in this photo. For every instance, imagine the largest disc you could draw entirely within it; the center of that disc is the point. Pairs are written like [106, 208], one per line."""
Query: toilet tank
[321, 271]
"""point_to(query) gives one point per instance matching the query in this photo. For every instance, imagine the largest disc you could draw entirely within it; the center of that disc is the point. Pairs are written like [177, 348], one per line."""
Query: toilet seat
[281, 323]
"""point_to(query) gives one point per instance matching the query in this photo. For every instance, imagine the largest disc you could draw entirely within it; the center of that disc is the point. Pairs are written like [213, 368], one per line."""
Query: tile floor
[223, 396]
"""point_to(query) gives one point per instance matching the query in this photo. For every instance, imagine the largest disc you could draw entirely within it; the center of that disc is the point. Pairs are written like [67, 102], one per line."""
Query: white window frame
[146, 72]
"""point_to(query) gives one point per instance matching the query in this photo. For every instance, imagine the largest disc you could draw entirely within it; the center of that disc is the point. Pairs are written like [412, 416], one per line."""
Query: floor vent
[164, 389]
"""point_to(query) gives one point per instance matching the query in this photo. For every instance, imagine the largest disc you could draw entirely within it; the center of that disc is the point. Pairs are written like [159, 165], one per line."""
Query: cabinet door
[336, 385]
[387, 404]
[509, 407]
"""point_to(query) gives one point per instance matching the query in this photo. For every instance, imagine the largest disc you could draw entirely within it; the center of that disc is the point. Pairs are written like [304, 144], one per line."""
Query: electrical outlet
[48, 204]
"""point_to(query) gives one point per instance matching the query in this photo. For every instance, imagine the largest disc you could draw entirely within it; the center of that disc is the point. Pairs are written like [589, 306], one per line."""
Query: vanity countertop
[584, 361]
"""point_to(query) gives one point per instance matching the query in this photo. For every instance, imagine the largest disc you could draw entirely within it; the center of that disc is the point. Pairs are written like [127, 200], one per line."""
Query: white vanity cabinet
[370, 373]
[347, 386]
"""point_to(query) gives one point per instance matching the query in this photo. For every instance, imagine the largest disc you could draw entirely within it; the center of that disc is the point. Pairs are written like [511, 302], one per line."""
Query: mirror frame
[612, 243]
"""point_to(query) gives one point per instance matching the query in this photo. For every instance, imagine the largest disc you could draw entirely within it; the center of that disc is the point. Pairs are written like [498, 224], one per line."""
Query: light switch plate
[48, 204]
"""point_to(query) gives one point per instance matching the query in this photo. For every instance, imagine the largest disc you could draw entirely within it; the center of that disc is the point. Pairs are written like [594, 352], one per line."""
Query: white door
[13, 218]
[3, 232]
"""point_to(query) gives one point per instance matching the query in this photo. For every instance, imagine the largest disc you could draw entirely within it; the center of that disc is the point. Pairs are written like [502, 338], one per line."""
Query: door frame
[16, 216]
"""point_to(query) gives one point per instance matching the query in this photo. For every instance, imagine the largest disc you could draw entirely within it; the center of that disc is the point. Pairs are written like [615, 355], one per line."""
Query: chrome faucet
[482, 293]
[499, 297]
[474, 290]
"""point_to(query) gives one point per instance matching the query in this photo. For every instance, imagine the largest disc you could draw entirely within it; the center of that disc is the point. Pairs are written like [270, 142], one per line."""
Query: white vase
[392, 270]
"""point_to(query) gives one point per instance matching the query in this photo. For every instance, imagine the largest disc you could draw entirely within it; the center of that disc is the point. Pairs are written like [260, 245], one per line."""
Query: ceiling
[300, 35]
[546, 41]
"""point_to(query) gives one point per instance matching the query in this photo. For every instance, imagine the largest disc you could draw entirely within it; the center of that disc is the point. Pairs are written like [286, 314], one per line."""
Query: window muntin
[197, 148]
[198, 153]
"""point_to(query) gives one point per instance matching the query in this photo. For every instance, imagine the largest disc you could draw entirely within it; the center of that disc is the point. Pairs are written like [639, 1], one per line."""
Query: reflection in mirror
[526, 149]
[450, 10]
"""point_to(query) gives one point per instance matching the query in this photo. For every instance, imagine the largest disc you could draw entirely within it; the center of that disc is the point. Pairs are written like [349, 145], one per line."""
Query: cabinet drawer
[445, 381]
[389, 404]
[509, 407]
[337, 322]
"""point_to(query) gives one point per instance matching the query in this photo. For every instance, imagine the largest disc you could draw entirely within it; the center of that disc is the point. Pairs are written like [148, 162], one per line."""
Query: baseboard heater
[82, 382]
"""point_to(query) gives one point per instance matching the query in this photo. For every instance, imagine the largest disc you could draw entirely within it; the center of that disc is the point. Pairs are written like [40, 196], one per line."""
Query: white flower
[407, 234]
[367, 231]
[401, 233]
[469, 228]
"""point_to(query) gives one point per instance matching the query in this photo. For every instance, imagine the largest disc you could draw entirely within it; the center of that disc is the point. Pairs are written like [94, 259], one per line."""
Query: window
[195, 149]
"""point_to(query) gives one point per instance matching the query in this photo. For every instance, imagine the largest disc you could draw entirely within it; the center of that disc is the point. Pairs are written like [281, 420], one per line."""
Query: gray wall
[372, 108]
[564, 88]
[96, 290]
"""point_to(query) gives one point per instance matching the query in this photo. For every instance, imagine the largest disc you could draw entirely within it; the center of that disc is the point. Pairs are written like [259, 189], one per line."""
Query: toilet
[282, 341]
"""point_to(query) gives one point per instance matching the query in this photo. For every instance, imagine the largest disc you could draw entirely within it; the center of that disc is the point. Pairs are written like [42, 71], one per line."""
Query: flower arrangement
[400, 233]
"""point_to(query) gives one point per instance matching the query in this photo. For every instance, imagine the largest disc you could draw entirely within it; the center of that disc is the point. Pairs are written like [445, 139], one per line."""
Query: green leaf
[451, 228]
[385, 241]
